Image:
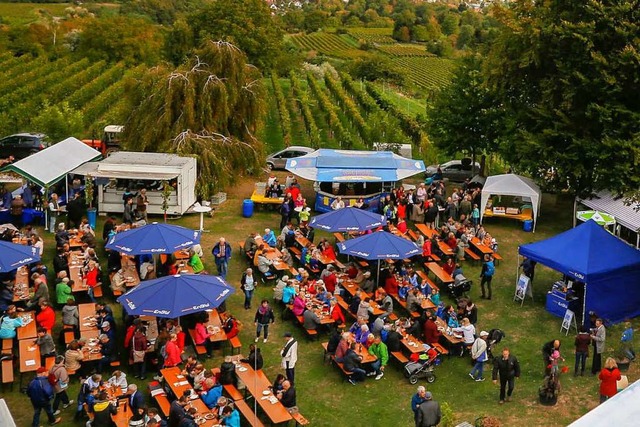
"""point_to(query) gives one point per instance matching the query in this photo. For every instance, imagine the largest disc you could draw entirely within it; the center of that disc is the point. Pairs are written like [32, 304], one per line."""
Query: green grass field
[409, 105]
[327, 400]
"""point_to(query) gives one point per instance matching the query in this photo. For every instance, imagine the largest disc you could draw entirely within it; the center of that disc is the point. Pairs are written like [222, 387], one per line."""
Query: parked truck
[110, 141]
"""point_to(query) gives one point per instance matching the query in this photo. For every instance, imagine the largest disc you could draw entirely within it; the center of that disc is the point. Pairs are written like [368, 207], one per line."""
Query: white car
[279, 160]
[454, 170]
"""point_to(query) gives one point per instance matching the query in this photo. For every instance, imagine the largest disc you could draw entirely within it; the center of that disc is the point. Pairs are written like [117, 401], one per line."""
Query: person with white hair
[279, 289]
[418, 399]
[222, 253]
[248, 285]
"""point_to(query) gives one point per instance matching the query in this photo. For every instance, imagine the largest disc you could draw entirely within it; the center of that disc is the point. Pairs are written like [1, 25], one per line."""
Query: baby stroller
[460, 286]
[423, 368]
[495, 336]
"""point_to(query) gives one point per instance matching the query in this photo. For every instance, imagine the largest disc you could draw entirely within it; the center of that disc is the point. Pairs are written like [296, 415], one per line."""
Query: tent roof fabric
[325, 165]
[620, 410]
[52, 164]
[136, 165]
[587, 253]
[625, 215]
[511, 185]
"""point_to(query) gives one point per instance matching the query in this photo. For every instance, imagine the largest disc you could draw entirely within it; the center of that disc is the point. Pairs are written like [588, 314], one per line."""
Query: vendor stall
[601, 271]
[626, 215]
[352, 175]
[131, 170]
[527, 192]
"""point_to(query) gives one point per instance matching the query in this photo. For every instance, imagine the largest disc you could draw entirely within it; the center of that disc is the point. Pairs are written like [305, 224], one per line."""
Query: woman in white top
[468, 331]
[38, 243]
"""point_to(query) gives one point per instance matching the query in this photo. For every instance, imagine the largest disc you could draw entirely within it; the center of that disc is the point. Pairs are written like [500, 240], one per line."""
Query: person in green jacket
[379, 350]
[63, 292]
[195, 262]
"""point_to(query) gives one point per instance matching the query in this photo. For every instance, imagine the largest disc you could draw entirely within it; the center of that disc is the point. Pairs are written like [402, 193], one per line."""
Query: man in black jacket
[508, 367]
[428, 413]
[176, 411]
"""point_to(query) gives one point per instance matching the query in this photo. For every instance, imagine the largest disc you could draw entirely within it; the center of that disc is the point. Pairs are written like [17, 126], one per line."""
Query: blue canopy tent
[609, 268]
[346, 173]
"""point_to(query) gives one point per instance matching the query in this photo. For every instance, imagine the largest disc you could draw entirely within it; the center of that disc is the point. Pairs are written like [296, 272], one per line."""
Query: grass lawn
[410, 106]
[327, 400]
[26, 13]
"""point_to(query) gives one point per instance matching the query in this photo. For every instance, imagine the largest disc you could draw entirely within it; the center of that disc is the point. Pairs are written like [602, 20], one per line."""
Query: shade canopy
[511, 185]
[326, 165]
[347, 219]
[137, 165]
[625, 214]
[14, 256]
[52, 164]
[600, 218]
[620, 410]
[155, 238]
[379, 245]
[590, 254]
[174, 296]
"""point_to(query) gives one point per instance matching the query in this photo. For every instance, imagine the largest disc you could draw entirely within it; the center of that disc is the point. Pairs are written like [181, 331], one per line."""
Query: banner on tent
[568, 321]
[522, 289]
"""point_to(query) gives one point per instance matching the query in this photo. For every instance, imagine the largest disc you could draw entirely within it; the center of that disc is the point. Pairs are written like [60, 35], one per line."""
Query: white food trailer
[134, 170]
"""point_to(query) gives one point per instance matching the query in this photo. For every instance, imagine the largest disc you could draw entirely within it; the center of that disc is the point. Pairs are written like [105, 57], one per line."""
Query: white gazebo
[512, 185]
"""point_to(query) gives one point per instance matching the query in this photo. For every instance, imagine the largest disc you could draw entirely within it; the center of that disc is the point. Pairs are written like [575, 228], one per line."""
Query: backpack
[490, 269]
[163, 351]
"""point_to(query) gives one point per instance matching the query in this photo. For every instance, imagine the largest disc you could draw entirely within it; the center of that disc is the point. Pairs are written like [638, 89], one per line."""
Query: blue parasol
[14, 256]
[154, 239]
[379, 245]
[175, 296]
[348, 219]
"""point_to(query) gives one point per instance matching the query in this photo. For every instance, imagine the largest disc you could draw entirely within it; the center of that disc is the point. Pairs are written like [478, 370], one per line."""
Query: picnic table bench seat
[471, 254]
[312, 333]
[160, 396]
[403, 304]
[248, 414]
[300, 420]
[7, 372]
[344, 306]
[338, 364]
[200, 349]
[401, 358]
[339, 237]
[496, 256]
[232, 392]
[235, 344]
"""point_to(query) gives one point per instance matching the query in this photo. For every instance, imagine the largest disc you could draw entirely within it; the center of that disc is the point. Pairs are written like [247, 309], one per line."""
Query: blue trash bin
[527, 225]
[247, 208]
[92, 216]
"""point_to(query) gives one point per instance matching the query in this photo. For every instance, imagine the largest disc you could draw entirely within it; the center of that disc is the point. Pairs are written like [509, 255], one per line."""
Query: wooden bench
[312, 333]
[339, 237]
[233, 393]
[7, 345]
[400, 357]
[159, 395]
[471, 254]
[114, 364]
[200, 349]
[295, 251]
[393, 317]
[424, 277]
[338, 264]
[326, 357]
[300, 420]
[496, 256]
[439, 348]
[97, 291]
[413, 235]
[7, 372]
[248, 413]
[117, 293]
[235, 344]
[403, 304]
[344, 306]
[341, 366]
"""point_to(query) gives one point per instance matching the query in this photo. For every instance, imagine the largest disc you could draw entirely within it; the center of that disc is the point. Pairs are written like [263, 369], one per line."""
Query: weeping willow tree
[208, 108]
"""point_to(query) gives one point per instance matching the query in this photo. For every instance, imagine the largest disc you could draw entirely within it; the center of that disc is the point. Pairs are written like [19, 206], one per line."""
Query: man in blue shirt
[417, 400]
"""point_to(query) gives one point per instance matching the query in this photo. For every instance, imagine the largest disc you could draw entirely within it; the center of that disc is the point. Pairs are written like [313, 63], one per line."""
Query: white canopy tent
[52, 164]
[625, 215]
[621, 410]
[512, 185]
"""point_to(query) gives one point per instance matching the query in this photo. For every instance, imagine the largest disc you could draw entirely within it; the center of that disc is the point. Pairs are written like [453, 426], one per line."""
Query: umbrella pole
[378, 274]
[584, 303]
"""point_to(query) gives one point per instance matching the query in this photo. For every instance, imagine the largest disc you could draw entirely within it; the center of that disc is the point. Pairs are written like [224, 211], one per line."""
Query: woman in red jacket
[92, 279]
[336, 312]
[47, 317]
[201, 337]
[172, 352]
[608, 379]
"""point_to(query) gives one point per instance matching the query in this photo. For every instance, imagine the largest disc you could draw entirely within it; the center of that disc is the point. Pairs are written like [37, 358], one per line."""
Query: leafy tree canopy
[208, 108]
[248, 24]
[567, 72]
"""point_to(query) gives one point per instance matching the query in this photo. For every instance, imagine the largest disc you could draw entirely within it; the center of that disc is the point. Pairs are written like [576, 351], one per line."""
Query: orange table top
[257, 383]
[29, 355]
[30, 329]
[179, 384]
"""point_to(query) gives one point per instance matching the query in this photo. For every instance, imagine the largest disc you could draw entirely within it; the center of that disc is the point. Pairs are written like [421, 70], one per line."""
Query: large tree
[248, 24]
[568, 73]
[465, 117]
[208, 108]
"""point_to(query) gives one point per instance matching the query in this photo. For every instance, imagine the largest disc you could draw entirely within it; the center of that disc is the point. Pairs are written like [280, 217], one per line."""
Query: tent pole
[66, 188]
[638, 239]
[575, 207]
[584, 303]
